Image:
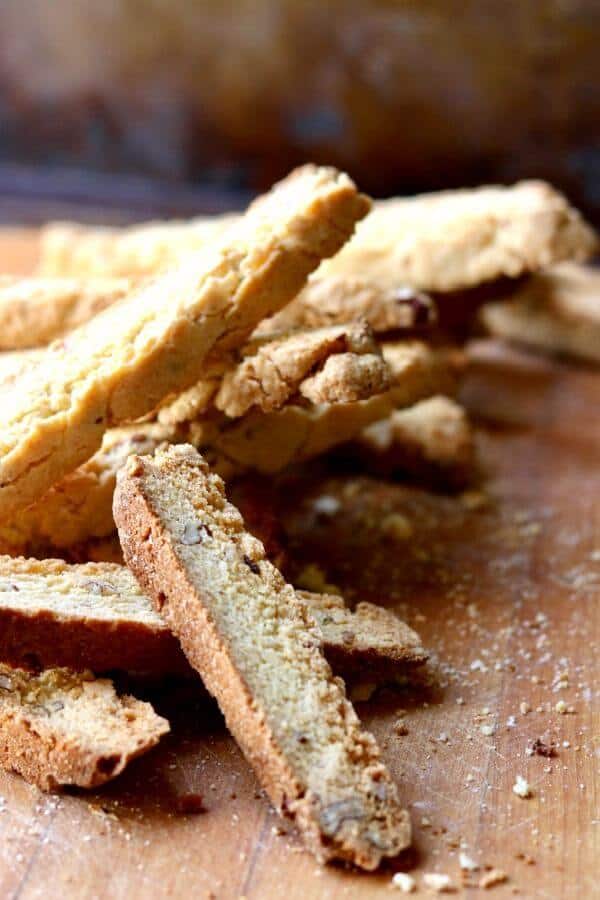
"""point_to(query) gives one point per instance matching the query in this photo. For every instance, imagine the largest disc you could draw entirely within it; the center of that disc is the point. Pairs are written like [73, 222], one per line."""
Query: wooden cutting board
[502, 582]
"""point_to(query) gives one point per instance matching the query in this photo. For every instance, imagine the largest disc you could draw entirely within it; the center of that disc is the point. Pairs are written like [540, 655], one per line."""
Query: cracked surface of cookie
[64, 728]
[123, 363]
[79, 508]
[271, 442]
[453, 240]
[244, 630]
[35, 311]
[557, 311]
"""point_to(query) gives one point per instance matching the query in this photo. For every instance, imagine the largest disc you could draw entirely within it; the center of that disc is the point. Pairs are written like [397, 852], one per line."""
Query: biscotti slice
[432, 439]
[95, 616]
[123, 363]
[63, 728]
[35, 311]
[68, 249]
[556, 311]
[270, 442]
[454, 240]
[243, 629]
[366, 641]
[273, 369]
[79, 508]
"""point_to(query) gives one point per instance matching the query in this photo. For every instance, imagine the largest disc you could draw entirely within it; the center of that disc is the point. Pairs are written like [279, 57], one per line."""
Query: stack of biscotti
[135, 368]
[142, 364]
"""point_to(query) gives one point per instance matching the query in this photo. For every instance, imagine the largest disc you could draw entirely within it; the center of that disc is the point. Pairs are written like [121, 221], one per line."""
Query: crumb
[443, 738]
[406, 883]
[542, 749]
[439, 883]
[466, 863]
[460, 701]
[561, 707]
[425, 822]
[524, 708]
[492, 878]
[488, 730]
[189, 804]
[521, 787]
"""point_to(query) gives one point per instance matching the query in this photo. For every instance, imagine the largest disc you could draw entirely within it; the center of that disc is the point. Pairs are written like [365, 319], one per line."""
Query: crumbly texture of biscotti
[338, 298]
[453, 240]
[68, 249]
[35, 311]
[79, 508]
[95, 616]
[346, 378]
[270, 442]
[556, 311]
[268, 371]
[432, 437]
[122, 364]
[368, 640]
[83, 616]
[62, 728]
[243, 629]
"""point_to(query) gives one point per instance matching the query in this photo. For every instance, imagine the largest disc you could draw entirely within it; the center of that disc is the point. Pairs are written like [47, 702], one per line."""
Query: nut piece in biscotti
[63, 728]
[88, 616]
[557, 311]
[453, 240]
[346, 378]
[95, 616]
[68, 249]
[35, 311]
[79, 508]
[336, 299]
[270, 442]
[243, 629]
[123, 363]
[432, 439]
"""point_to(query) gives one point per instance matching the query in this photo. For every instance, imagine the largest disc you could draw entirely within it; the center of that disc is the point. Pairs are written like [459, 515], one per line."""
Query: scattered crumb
[542, 749]
[561, 707]
[425, 822]
[521, 787]
[466, 863]
[397, 526]
[492, 878]
[524, 708]
[439, 883]
[488, 730]
[406, 883]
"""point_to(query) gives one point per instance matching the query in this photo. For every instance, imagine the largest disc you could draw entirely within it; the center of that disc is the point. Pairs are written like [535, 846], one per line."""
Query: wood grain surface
[503, 583]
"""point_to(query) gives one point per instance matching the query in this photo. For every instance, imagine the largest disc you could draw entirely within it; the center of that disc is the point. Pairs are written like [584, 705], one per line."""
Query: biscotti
[95, 616]
[270, 442]
[556, 311]
[63, 728]
[258, 653]
[123, 363]
[35, 311]
[432, 439]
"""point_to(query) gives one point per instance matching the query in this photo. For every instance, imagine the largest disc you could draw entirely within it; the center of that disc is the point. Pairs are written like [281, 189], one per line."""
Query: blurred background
[131, 108]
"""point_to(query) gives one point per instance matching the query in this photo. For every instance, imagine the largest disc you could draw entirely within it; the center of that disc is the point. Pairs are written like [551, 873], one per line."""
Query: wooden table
[502, 582]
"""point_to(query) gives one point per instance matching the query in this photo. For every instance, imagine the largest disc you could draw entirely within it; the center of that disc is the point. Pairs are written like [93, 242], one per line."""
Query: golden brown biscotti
[63, 728]
[79, 508]
[432, 439]
[95, 616]
[556, 311]
[122, 364]
[243, 629]
[68, 249]
[35, 311]
[270, 442]
[453, 240]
